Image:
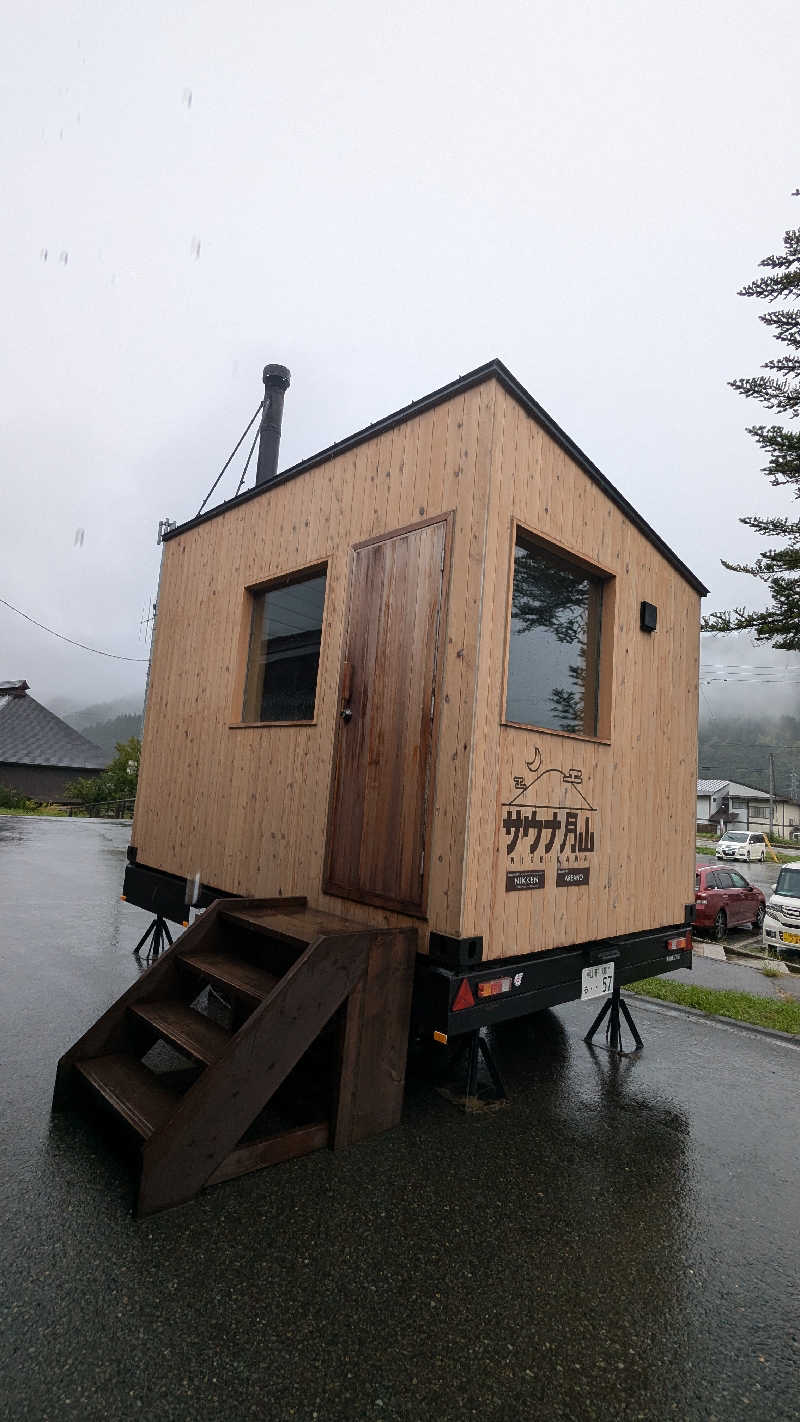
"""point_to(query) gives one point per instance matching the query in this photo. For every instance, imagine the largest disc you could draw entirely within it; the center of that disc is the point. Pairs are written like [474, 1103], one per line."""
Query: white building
[728, 805]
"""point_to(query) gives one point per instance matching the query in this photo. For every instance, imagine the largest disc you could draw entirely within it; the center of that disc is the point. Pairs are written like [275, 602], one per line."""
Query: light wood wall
[247, 807]
[643, 781]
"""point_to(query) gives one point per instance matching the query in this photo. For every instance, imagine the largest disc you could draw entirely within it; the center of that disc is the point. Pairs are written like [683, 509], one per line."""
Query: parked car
[782, 923]
[724, 899]
[742, 844]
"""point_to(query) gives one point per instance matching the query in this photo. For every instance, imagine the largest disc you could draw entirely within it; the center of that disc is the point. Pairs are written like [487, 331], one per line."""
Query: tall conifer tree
[779, 390]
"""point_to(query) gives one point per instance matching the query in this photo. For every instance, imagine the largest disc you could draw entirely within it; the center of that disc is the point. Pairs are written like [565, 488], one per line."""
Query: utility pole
[771, 792]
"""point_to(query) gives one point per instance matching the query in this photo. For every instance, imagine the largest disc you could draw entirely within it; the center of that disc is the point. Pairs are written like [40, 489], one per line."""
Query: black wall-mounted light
[648, 617]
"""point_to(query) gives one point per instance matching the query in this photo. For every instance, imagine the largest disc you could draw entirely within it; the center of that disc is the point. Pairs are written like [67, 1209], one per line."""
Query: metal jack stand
[613, 1005]
[472, 1044]
[161, 939]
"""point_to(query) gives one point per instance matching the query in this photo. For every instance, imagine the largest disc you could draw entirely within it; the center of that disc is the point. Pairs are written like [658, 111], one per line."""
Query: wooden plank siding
[246, 806]
[642, 780]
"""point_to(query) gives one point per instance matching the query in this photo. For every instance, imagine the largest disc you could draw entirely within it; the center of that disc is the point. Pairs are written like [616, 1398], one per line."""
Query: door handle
[347, 682]
[347, 691]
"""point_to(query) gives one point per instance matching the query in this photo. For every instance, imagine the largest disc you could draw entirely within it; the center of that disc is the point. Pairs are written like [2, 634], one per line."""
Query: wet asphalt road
[621, 1241]
[764, 875]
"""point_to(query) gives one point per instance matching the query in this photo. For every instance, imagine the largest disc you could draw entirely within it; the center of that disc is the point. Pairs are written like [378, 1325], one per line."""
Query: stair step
[131, 1089]
[191, 1031]
[298, 925]
[232, 972]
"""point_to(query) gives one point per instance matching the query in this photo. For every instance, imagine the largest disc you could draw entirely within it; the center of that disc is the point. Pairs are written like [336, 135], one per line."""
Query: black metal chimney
[276, 382]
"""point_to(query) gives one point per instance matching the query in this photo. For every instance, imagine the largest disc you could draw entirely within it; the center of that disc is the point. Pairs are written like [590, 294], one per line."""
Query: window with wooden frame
[283, 652]
[558, 668]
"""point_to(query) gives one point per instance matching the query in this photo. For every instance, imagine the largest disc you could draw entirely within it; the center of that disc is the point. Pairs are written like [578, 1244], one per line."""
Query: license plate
[790, 938]
[597, 981]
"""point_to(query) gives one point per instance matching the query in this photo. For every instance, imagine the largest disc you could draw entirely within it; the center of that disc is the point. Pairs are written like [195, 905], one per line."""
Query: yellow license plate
[790, 938]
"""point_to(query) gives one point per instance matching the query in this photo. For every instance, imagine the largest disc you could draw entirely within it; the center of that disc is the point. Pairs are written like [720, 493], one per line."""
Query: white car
[742, 844]
[782, 921]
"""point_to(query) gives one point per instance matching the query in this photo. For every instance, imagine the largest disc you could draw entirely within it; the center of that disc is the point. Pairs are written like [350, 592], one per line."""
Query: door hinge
[422, 864]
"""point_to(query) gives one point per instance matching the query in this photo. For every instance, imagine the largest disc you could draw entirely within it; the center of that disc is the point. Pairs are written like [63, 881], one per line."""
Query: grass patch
[741, 1006]
[48, 810]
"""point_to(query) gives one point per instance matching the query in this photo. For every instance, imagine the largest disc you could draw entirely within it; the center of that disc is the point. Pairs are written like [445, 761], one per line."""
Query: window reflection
[554, 649]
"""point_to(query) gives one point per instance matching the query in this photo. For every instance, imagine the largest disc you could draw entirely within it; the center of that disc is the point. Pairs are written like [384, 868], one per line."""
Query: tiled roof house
[39, 753]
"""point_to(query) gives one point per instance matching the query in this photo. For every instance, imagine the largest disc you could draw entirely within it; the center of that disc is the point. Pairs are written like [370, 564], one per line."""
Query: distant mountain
[738, 748]
[100, 713]
[105, 734]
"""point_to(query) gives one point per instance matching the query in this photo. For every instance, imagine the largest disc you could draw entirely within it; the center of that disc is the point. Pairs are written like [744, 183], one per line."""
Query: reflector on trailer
[463, 997]
[440, 1037]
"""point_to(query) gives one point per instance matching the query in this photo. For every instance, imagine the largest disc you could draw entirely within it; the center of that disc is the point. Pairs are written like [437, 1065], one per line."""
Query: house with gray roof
[39, 753]
[726, 804]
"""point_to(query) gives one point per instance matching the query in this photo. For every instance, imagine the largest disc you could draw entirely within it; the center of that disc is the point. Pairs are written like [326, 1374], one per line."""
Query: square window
[554, 648]
[283, 656]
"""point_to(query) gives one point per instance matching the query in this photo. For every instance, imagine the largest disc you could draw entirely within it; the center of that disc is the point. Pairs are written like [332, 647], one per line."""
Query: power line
[117, 656]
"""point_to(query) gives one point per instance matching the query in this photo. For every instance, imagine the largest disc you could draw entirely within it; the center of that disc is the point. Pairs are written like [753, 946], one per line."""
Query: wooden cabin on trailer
[436, 685]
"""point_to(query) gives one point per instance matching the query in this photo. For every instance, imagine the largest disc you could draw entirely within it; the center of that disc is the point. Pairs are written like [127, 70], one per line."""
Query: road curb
[660, 1005]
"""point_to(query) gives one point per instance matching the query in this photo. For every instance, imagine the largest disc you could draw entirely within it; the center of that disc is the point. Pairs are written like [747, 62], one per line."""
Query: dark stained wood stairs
[268, 1030]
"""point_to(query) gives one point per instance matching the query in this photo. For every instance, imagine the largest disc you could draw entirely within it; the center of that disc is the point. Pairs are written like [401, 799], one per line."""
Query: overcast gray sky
[380, 198]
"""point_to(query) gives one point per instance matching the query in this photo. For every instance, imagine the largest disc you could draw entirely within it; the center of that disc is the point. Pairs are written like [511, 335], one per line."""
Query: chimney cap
[278, 375]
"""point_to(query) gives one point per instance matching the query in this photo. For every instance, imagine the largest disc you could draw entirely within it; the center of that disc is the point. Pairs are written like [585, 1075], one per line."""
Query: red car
[724, 898]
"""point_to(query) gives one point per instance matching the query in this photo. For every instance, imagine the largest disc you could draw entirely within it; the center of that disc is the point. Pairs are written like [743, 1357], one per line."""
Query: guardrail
[102, 809]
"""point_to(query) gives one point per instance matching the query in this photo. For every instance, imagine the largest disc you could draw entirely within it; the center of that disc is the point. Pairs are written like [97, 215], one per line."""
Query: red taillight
[463, 997]
[682, 944]
[494, 987]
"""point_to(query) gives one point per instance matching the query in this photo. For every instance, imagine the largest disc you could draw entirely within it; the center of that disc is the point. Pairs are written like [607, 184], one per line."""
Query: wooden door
[384, 754]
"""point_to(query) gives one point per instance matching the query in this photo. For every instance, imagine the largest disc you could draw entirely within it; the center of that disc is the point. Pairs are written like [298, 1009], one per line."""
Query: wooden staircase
[268, 1030]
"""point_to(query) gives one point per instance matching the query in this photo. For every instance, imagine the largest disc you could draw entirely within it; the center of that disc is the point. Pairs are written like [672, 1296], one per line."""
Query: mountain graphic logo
[549, 813]
[549, 789]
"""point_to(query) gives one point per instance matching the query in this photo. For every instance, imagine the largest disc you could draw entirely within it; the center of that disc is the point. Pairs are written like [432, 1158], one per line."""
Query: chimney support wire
[231, 457]
[247, 461]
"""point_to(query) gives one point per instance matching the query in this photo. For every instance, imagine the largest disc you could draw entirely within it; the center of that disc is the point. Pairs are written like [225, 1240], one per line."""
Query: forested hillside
[106, 734]
[737, 747]
[80, 719]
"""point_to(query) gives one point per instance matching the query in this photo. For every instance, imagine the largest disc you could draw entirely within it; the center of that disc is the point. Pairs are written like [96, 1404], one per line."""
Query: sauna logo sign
[548, 822]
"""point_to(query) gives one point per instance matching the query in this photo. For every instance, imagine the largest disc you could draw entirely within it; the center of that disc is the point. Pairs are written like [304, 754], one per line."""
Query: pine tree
[779, 390]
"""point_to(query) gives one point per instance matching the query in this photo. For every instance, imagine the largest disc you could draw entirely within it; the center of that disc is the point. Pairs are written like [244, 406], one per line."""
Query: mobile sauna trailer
[432, 689]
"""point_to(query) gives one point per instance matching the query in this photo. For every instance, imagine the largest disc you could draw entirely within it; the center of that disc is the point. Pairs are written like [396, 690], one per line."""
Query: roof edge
[493, 369]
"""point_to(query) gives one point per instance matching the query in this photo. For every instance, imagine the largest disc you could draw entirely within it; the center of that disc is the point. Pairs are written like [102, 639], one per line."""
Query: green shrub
[15, 800]
[118, 782]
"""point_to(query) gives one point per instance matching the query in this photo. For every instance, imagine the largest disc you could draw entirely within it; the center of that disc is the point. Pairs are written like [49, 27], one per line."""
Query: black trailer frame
[533, 981]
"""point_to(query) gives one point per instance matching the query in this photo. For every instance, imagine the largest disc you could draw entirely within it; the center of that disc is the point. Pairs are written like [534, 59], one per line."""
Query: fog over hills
[80, 717]
[741, 678]
[749, 711]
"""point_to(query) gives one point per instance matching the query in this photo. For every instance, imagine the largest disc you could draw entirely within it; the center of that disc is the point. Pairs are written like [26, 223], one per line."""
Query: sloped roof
[493, 370]
[32, 735]
[710, 787]
[751, 792]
